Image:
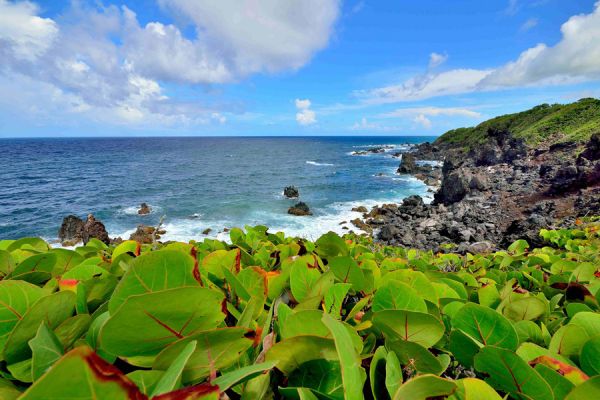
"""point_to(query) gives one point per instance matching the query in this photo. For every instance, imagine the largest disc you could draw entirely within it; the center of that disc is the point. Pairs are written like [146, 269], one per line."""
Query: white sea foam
[319, 164]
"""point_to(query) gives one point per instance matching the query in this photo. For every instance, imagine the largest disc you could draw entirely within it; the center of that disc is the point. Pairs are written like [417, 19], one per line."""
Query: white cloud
[22, 32]
[433, 111]
[302, 104]
[102, 59]
[436, 59]
[305, 116]
[260, 36]
[422, 120]
[529, 24]
[575, 58]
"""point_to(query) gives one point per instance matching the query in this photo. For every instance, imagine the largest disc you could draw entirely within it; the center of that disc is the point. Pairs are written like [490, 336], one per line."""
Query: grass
[545, 123]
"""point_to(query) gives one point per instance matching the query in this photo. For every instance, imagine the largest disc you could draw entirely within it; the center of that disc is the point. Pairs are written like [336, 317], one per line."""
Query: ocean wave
[319, 164]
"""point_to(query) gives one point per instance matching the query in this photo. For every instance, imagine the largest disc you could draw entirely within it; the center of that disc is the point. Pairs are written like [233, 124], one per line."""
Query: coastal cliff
[503, 180]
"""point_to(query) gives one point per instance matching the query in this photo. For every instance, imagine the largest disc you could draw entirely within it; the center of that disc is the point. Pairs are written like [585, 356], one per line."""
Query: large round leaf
[35, 269]
[589, 359]
[486, 326]
[215, 349]
[52, 309]
[152, 272]
[396, 295]
[474, 389]
[416, 356]
[16, 297]
[293, 352]
[412, 326]
[147, 323]
[510, 373]
[586, 391]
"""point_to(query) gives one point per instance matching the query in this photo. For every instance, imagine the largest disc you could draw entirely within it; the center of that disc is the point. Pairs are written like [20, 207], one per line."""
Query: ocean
[196, 183]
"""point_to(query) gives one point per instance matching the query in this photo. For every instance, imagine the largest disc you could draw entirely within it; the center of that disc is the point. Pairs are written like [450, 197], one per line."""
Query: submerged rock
[300, 209]
[291, 192]
[361, 209]
[144, 209]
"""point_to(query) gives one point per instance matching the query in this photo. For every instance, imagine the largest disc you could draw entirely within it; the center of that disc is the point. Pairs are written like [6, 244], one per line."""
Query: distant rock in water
[145, 234]
[71, 230]
[74, 230]
[144, 209]
[291, 192]
[300, 208]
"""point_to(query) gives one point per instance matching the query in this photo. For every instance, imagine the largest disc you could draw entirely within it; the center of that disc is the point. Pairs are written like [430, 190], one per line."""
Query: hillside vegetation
[268, 317]
[545, 123]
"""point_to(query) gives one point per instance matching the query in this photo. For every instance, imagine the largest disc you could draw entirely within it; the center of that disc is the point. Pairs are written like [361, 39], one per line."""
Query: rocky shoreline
[493, 194]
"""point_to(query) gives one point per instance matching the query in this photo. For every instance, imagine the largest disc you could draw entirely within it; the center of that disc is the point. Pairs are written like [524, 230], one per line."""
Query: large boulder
[388, 232]
[455, 187]
[291, 192]
[94, 229]
[145, 234]
[300, 209]
[71, 230]
[408, 164]
[592, 148]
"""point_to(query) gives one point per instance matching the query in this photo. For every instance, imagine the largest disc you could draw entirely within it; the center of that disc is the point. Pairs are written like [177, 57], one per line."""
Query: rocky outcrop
[146, 234]
[291, 192]
[300, 209]
[408, 164]
[71, 230]
[495, 194]
[74, 230]
[144, 209]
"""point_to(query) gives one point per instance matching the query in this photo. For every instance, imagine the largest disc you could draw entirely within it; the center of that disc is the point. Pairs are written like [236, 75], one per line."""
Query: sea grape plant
[265, 316]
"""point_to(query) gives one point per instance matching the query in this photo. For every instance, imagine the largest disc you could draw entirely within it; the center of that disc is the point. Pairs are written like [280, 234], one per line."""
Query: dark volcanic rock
[144, 209]
[145, 234]
[291, 192]
[454, 188]
[408, 164]
[94, 229]
[300, 209]
[592, 148]
[71, 230]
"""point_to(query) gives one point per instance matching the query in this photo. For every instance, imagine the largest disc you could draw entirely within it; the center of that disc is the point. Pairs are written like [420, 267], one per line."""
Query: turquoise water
[196, 183]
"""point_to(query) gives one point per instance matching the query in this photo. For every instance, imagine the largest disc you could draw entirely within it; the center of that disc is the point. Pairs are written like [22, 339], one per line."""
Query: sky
[282, 67]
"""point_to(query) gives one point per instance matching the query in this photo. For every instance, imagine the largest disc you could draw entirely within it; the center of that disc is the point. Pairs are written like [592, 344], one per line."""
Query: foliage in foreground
[274, 317]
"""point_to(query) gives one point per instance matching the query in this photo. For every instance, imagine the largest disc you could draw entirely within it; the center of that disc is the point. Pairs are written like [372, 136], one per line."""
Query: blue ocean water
[196, 183]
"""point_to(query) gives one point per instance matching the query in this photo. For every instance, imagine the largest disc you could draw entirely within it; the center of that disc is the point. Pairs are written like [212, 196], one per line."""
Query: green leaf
[7, 263]
[486, 326]
[349, 360]
[46, 349]
[378, 375]
[147, 323]
[525, 309]
[393, 374]
[346, 270]
[153, 272]
[241, 375]
[16, 297]
[416, 356]
[589, 359]
[412, 326]
[52, 309]
[292, 352]
[396, 295]
[425, 387]
[588, 390]
[474, 389]
[36, 269]
[510, 373]
[216, 349]
[172, 376]
[302, 279]
[331, 245]
[82, 375]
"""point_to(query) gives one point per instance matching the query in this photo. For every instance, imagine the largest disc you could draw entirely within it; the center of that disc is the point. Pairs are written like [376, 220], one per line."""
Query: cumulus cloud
[575, 58]
[305, 116]
[105, 61]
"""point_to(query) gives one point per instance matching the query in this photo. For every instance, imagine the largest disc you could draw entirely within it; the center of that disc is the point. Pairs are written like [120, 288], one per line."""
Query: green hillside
[544, 123]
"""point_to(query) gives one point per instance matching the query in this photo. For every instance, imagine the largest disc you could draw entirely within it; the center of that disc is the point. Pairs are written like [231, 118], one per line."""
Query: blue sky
[271, 67]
